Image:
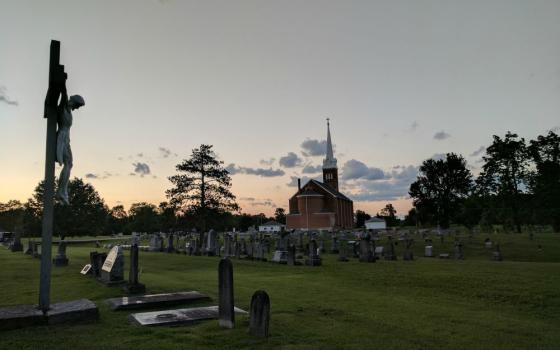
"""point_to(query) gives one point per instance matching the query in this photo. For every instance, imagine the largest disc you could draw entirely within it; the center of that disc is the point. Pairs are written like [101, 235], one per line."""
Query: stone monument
[60, 258]
[225, 291]
[259, 318]
[134, 286]
[112, 271]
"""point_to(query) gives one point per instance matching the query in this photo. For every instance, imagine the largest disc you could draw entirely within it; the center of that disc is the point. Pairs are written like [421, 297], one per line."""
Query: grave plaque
[177, 317]
[86, 270]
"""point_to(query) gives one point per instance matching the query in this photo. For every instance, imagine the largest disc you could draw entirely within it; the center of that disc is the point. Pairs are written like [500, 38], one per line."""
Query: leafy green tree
[143, 217]
[12, 215]
[390, 214]
[441, 186]
[86, 214]
[545, 179]
[167, 217]
[202, 187]
[280, 215]
[504, 175]
[361, 217]
[118, 219]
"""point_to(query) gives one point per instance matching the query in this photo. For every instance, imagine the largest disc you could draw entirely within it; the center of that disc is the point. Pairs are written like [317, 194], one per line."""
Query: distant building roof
[309, 192]
[330, 190]
[375, 219]
[272, 223]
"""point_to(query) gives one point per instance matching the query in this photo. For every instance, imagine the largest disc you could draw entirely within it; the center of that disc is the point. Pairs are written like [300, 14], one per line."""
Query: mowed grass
[424, 304]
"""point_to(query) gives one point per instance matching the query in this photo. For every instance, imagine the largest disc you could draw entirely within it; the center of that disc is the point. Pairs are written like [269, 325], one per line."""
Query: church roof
[309, 192]
[330, 190]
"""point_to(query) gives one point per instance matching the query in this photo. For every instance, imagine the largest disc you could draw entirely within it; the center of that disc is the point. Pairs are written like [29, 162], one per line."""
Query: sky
[401, 81]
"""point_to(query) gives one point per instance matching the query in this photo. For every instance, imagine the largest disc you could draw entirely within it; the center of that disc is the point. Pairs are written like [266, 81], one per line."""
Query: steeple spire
[330, 161]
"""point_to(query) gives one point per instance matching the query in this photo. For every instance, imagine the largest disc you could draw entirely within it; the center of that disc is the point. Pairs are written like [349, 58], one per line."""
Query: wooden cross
[57, 87]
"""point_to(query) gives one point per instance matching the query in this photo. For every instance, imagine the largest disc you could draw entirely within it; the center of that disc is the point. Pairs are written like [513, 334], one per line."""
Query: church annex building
[319, 205]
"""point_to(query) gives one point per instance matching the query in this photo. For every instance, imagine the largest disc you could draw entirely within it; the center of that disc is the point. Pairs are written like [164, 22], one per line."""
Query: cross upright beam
[57, 78]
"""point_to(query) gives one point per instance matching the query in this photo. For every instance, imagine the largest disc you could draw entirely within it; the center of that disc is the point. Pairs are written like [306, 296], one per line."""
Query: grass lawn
[424, 304]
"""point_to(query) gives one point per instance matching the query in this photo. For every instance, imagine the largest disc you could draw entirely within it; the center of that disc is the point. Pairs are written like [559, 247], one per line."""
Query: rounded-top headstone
[259, 314]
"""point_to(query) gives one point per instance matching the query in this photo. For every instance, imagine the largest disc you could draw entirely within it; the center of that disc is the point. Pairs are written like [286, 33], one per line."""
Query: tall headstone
[259, 318]
[459, 255]
[16, 245]
[366, 253]
[334, 245]
[60, 258]
[391, 254]
[134, 286]
[211, 243]
[225, 291]
[29, 250]
[291, 258]
[343, 252]
[313, 259]
[408, 255]
[170, 244]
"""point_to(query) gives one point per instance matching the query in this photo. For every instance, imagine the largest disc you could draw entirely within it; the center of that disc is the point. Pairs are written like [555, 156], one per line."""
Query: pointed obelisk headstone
[259, 314]
[225, 291]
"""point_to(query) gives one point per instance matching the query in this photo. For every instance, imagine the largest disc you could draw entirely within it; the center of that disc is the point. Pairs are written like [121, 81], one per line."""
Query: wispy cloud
[5, 98]
[269, 161]
[291, 160]
[311, 169]
[141, 169]
[441, 135]
[313, 148]
[234, 169]
[166, 152]
[354, 169]
[414, 126]
[478, 151]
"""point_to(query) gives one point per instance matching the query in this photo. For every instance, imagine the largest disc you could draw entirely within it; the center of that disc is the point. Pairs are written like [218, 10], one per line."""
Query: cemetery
[420, 302]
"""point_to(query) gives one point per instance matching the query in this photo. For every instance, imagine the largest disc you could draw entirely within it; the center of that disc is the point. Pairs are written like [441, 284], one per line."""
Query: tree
[390, 214]
[280, 215]
[85, 215]
[12, 215]
[504, 174]
[441, 186]
[545, 179]
[361, 217]
[143, 217]
[118, 219]
[167, 217]
[202, 187]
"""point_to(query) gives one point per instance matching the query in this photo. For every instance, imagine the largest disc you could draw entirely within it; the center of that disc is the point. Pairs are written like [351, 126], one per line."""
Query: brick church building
[319, 205]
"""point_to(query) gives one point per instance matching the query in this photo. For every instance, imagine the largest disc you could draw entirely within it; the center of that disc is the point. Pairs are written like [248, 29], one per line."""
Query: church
[319, 205]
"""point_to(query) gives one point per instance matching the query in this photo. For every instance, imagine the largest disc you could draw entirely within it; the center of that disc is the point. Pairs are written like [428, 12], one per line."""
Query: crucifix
[58, 112]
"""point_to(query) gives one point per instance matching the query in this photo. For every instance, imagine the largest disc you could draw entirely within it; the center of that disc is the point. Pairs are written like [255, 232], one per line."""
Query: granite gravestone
[60, 258]
[112, 271]
[342, 252]
[259, 318]
[408, 255]
[366, 253]
[29, 250]
[16, 245]
[429, 251]
[225, 291]
[334, 245]
[156, 243]
[458, 251]
[134, 286]
[211, 243]
[313, 258]
[170, 244]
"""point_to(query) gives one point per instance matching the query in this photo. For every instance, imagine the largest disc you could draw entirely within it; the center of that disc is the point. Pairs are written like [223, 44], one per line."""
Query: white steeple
[330, 161]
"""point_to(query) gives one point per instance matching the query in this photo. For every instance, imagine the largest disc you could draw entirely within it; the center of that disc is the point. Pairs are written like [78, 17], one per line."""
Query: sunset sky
[401, 81]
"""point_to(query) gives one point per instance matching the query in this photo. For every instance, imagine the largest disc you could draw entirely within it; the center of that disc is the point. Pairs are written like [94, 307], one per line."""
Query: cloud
[265, 203]
[5, 98]
[439, 156]
[414, 126]
[354, 169]
[314, 148]
[304, 179]
[291, 160]
[166, 152]
[234, 169]
[141, 169]
[105, 175]
[394, 186]
[140, 155]
[310, 169]
[267, 161]
[247, 199]
[441, 135]
[91, 176]
[478, 151]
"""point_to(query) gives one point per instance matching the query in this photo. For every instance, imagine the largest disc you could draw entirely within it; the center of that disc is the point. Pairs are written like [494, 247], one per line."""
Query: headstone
[313, 258]
[280, 257]
[259, 318]
[60, 258]
[291, 257]
[488, 243]
[36, 249]
[156, 243]
[444, 256]
[112, 271]
[86, 270]
[458, 251]
[322, 246]
[408, 255]
[170, 244]
[390, 254]
[29, 250]
[429, 251]
[134, 286]
[334, 245]
[342, 252]
[497, 254]
[211, 243]
[225, 291]
[366, 254]
[16, 245]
